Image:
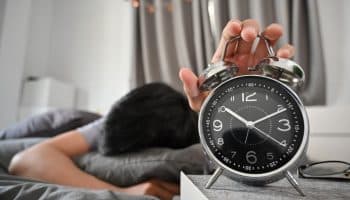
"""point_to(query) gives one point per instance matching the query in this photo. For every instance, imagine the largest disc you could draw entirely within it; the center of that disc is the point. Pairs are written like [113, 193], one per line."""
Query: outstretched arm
[51, 161]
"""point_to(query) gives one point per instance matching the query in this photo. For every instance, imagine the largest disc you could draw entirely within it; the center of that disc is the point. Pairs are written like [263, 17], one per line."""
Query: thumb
[189, 80]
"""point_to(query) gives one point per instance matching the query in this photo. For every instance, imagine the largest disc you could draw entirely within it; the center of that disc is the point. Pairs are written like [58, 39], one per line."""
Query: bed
[122, 170]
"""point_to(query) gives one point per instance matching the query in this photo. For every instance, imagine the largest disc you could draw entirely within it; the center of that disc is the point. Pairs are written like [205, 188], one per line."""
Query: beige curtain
[169, 34]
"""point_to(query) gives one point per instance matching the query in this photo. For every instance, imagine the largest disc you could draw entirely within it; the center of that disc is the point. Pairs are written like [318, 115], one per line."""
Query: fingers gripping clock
[254, 127]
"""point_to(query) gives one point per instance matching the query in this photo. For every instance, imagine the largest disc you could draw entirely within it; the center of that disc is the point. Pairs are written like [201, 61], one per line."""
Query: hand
[229, 111]
[157, 188]
[269, 116]
[268, 136]
[248, 30]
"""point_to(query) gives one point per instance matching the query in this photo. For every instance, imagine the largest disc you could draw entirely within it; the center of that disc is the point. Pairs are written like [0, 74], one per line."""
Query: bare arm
[48, 161]
[51, 161]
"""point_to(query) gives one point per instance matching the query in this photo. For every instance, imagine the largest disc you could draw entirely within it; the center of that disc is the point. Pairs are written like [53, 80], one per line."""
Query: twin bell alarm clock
[254, 128]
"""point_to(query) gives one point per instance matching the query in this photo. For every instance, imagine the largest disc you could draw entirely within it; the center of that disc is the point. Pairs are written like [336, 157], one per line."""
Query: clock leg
[294, 182]
[214, 177]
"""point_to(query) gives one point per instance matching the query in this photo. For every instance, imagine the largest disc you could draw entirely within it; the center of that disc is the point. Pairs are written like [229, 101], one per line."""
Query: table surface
[226, 188]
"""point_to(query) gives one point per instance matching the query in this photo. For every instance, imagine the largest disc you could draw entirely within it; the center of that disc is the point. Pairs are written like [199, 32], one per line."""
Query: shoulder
[91, 132]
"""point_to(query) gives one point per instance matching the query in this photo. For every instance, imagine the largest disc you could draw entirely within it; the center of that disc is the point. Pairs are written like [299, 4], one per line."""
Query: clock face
[252, 124]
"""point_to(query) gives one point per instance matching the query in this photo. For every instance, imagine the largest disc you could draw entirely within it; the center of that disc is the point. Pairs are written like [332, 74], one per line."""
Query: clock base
[287, 174]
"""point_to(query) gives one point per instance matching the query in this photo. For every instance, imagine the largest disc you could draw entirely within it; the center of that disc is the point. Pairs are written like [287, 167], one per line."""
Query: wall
[85, 43]
[2, 15]
[39, 38]
[335, 26]
[12, 57]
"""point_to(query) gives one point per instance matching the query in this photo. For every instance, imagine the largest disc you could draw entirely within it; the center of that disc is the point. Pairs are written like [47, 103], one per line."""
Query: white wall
[2, 15]
[90, 47]
[85, 43]
[39, 38]
[335, 27]
[12, 57]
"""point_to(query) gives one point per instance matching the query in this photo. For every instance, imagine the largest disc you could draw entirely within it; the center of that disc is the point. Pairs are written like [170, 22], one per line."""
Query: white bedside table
[192, 188]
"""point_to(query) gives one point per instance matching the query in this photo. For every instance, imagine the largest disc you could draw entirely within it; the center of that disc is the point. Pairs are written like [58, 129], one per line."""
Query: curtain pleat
[149, 42]
[183, 33]
[165, 42]
[138, 75]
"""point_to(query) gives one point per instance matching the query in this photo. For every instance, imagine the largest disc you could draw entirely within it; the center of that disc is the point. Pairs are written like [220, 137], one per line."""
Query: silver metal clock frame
[263, 178]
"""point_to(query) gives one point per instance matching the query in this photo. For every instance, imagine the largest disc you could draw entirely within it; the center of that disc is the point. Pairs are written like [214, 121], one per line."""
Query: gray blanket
[12, 187]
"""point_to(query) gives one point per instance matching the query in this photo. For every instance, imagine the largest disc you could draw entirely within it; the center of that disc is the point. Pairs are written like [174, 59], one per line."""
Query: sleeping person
[153, 115]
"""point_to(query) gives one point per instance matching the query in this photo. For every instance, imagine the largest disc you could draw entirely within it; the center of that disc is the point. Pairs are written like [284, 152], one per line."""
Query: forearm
[48, 164]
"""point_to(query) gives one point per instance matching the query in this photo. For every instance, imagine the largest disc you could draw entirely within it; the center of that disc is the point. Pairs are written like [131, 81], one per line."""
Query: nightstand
[192, 188]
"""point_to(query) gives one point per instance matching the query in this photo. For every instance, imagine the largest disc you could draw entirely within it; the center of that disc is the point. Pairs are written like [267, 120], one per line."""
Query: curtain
[170, 34]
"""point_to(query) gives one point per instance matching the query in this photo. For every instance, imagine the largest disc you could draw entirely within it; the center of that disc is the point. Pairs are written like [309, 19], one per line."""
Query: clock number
[269, 156]
[266, 97]
[279, 107]
[251, 157]
[232, 98]
[220, 141]
[249, 97]
[285, 124]
[217, 124]
[233, 154]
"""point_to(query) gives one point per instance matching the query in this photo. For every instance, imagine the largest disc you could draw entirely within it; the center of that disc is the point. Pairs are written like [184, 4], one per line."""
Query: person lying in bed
[48, 160]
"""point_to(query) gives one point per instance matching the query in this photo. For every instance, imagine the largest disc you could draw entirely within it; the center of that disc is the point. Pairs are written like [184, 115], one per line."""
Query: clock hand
[234, 115]
[246, 137]
[269, 116]
[267, 135]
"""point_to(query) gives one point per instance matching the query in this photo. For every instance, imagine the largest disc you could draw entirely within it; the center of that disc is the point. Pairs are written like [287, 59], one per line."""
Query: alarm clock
[254, 127]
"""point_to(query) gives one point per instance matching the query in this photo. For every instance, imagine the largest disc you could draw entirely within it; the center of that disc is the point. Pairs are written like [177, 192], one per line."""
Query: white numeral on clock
[220, 141]
[233, 154]
[269, 156]
[217, 124]
[251, 157]
[279, 107]
[248, 97]
[285, 125]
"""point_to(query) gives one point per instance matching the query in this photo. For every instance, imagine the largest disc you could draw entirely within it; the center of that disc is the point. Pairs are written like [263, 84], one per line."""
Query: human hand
[242, 56]
[161, 189]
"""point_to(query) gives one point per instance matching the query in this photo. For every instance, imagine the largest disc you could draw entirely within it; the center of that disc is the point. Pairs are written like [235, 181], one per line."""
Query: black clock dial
[252, 124]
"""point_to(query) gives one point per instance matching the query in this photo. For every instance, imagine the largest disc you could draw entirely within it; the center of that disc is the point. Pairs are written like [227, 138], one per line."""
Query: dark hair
[154, 115]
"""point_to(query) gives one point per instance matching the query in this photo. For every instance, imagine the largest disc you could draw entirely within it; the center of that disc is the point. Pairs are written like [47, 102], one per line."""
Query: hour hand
[269, 116]
[234, 114]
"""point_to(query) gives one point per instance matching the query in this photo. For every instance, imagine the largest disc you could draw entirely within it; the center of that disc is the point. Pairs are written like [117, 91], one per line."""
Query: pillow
[8, 148]
[49, 124]
[128, 168]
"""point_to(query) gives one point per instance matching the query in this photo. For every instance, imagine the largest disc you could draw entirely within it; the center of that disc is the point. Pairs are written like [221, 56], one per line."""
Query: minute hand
[236, 116]
[269, 116]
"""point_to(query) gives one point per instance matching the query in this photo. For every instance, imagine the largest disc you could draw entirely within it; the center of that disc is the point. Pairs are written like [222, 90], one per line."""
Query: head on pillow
[154, 115]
